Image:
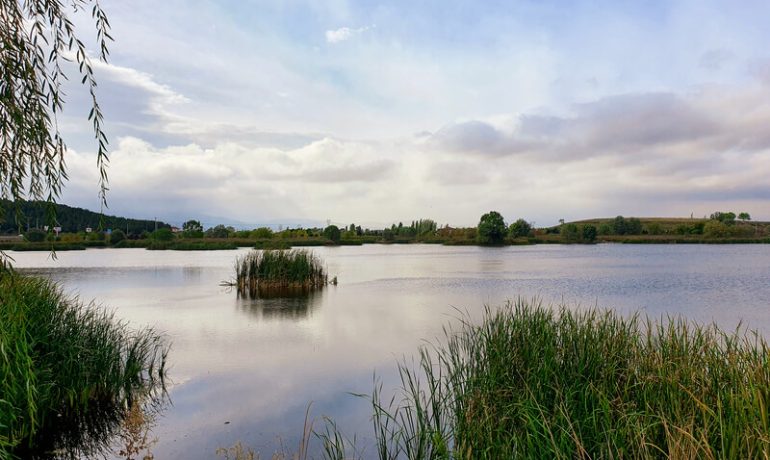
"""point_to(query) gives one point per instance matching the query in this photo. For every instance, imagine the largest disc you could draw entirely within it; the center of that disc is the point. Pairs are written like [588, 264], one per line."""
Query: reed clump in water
[532, 382]
[68, 372]
[279, 271]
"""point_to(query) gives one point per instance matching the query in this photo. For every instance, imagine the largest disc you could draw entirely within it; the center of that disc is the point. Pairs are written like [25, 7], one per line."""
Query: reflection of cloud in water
[286, 307]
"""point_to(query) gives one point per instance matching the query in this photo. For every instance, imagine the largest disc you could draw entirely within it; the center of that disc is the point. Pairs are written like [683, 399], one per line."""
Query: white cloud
[344, 33]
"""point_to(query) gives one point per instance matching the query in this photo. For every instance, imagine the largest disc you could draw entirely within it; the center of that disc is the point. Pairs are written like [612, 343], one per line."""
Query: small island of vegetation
[272, 273]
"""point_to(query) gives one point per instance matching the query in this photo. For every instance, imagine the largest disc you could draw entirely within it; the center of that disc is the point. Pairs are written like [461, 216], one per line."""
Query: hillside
[70, 219]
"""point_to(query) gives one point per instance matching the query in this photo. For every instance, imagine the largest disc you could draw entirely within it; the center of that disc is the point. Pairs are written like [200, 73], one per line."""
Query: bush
[589, 233]
[520, 228]
[162, 234]
[569, 233]
[261, 233]
[35, 236]
[716, 229]
[117, 236]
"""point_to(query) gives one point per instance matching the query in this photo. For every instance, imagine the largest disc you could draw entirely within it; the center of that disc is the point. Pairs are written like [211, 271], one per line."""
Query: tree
[36, 37]
[162, 234]
[619, 225]
[520, 228]
[491, 228]
[744, 216]
[332, 232]
[727, 218]
[261, 233]
[569, 233]
[117, 236]
[633, 226]
[220, 231]
[192, 229]
[589, 233]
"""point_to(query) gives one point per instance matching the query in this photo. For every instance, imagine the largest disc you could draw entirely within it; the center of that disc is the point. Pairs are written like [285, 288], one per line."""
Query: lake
[246, 370]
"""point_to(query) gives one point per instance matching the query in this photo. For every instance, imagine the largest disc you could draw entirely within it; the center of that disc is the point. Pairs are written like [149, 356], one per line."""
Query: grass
[68, 373]
[532, 382]
[278, 271]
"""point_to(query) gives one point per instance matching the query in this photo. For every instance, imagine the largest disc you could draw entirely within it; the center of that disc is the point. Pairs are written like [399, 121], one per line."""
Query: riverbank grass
[533, 382]
[279, 271]
[68, 372]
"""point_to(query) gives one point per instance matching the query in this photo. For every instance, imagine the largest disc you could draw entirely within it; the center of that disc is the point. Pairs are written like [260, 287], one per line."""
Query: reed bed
[279, 271]
[68, 372]
[533, 382]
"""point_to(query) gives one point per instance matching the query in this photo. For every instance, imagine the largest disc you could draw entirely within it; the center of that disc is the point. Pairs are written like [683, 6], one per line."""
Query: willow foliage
[37, 37]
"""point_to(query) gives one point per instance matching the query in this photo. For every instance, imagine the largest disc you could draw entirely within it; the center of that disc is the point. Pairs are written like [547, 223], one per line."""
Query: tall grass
[279, 271]
[531, 382]
[67, 372]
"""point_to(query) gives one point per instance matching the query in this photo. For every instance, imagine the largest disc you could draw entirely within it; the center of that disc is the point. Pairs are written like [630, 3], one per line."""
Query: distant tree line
[70, 219]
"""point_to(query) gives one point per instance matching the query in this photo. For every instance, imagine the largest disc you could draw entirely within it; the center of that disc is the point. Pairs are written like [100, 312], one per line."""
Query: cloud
[237, 181]
[344, 33]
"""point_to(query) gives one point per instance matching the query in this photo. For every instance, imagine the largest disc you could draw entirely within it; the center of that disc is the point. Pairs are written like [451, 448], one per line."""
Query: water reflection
[286, 304]
[321, 346]
[103, 429]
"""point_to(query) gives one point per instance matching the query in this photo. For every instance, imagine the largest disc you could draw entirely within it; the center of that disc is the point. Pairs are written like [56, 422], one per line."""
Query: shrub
[162, 234]
[520, 228]
[117, 236]
[35, 236]
[569, 233]
[261, 233]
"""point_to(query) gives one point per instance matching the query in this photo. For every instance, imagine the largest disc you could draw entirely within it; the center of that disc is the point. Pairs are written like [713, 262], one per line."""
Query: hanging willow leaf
[36, 36]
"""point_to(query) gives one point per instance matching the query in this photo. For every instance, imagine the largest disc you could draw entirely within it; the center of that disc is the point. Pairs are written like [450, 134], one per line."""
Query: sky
[299, 112]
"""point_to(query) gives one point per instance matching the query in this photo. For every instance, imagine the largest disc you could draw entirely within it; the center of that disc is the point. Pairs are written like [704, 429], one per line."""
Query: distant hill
[70, 219]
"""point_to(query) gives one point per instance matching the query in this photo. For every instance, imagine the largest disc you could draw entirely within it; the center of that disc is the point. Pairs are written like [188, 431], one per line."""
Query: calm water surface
[246, 370]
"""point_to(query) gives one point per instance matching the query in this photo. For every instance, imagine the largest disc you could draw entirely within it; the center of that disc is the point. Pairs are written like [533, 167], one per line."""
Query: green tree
[491, 228]
[727, 218]
[192, 229]
[520, 228]
[162, 234]
[332, 233]
[569, 233]
[261, 233]
[744, 216]
[633, 226]
[589, 233]
[619, 225]
[117, 236]
[219, 231]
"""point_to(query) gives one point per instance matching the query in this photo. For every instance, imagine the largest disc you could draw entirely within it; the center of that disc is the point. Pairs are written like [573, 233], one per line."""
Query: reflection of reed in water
[290, 305]
[105, 428]
[279, 273]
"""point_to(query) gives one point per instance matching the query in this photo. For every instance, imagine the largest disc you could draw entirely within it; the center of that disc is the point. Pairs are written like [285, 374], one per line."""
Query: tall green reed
[67, 371]
[270, 271]
[534, 382]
